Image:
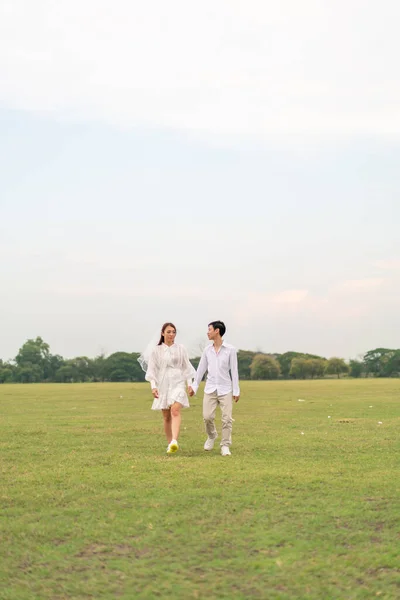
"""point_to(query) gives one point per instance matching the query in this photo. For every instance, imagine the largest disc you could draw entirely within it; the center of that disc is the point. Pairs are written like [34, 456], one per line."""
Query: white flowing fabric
[169, 369]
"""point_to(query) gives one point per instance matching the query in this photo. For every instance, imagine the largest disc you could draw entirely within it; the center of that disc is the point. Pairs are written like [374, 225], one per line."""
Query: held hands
[236, 398]
[154, 391]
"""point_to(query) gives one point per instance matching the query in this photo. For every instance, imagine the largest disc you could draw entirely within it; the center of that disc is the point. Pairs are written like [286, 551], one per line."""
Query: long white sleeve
[201, 369]
[234, 372]
[152, 370]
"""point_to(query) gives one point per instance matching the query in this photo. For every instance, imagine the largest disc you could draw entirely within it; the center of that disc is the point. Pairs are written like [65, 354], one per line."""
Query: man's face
[212, 333]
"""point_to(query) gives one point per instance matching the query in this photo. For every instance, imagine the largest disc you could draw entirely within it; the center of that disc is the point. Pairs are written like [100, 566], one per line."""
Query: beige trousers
[210, 403]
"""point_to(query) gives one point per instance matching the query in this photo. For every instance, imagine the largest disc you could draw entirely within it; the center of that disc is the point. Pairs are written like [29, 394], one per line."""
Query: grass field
[307, 506]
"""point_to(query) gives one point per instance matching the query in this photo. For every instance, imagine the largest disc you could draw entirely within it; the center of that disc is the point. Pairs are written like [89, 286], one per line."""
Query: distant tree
[68, 373]
[285, 361]
[138, 374]
[264, 366]
[51, 366]
[98, 367]
[245, 359]
[28, 373]
[376, 360]
[33, 361]
[195, 361]
[33, 352]
[6, 374]
[337, 366]
[123, 366]
[316, 367]
[119, 375]
[391, 368]
[83, 367]
[356, 368]
[300, 368]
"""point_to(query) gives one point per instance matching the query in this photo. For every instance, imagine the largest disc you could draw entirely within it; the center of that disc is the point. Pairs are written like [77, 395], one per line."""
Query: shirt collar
[224, 344]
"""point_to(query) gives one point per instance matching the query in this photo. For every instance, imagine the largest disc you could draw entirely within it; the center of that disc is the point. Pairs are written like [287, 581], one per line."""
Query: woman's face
[169, 335]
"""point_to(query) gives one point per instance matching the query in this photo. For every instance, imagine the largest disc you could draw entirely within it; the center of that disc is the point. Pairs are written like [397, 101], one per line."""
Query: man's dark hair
[219, 325]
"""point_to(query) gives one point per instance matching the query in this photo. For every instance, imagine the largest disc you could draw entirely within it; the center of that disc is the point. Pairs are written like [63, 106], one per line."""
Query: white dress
[169, 370]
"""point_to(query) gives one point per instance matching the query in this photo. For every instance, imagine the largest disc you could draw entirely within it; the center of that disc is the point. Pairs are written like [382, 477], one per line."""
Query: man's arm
[234, 374]
[201, 369]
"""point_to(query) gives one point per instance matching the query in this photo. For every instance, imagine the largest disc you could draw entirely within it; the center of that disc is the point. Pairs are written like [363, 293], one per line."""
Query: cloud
[225, 67]
[346, 299]
[359, 285]
[287, 297]
[390, 264]
[257, 305]
[127, 291]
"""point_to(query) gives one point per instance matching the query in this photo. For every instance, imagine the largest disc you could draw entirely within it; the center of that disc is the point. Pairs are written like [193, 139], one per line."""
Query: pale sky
[197, 161]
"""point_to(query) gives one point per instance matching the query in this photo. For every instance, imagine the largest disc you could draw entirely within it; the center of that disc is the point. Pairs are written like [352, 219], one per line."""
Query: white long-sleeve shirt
[222, 367]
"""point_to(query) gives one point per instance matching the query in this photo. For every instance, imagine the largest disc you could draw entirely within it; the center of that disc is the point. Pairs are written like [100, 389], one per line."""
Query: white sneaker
[209, 443]
[173, 446]
[225, 451]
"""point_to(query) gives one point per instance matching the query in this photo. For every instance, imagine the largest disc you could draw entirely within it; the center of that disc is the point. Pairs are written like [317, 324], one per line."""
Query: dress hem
[169, 406]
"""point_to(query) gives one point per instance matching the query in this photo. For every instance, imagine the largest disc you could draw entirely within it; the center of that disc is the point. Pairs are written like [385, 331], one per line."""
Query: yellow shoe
[173, 446]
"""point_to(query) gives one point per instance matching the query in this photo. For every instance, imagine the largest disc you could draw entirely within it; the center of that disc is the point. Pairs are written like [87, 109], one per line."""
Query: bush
[264, 366]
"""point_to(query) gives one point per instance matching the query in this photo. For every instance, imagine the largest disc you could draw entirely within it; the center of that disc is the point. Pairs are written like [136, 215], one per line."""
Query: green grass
[92, 507]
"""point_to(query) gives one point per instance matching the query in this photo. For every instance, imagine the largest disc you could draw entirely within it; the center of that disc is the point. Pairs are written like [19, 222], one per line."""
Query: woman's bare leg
[167, 424]
[176, 420]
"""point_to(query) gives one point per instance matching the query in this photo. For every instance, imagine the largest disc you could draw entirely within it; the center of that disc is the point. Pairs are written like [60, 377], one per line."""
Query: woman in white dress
[169, 371]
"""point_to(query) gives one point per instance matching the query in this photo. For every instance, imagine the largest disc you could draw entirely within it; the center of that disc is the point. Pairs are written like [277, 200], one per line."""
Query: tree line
[34, 363]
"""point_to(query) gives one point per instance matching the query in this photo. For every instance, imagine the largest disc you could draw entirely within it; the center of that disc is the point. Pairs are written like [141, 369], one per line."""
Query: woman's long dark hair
[163, 328]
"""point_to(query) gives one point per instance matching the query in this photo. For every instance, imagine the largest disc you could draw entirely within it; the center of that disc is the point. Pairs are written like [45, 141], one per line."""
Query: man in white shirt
[222, 385]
